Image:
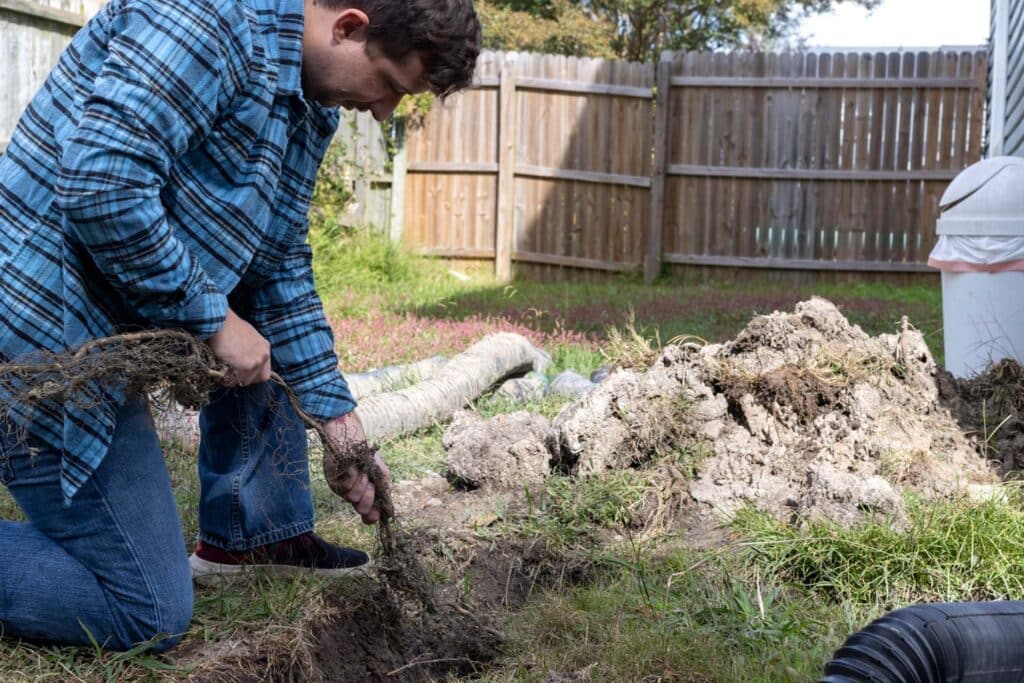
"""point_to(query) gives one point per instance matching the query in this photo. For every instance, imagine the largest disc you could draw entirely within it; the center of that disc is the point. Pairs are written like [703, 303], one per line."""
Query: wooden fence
[808, 161]
[33, 33]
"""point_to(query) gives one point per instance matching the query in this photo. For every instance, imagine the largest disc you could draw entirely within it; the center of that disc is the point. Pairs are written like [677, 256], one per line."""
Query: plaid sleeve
[287, 310]
[172, 66]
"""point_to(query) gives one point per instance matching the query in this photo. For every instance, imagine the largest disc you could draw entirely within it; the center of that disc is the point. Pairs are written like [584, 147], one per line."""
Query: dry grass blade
[628, 348]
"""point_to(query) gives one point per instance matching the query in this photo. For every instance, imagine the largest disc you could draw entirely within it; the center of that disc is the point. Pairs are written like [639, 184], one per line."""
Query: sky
[901, 23]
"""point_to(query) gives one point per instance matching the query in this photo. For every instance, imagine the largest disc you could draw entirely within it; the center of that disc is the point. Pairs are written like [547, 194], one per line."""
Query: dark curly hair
[447, 32]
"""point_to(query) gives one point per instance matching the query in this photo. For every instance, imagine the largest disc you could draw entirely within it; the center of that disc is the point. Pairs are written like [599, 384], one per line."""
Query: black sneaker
[307, 553]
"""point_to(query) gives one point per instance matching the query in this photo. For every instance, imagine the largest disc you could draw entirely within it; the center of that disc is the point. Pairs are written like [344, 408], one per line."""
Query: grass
[953, 551]
[416, 309]
[773, 605]
[222, 613]
[688, 616]
[571, 513]
[769, 609]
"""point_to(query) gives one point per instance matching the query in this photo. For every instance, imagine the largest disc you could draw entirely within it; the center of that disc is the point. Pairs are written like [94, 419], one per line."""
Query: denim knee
[171, 615]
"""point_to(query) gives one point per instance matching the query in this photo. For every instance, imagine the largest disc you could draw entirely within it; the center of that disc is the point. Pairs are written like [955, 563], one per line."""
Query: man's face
[341, 68]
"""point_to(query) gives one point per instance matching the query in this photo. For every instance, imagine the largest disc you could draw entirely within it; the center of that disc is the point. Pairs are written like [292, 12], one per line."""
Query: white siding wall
[1006, 111]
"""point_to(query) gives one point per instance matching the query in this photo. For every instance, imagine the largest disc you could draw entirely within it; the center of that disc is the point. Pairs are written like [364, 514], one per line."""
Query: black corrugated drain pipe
[937, 643]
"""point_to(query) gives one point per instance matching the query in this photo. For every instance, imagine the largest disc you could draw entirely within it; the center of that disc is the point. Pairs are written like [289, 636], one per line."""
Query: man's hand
[347, 435]
[243, 350]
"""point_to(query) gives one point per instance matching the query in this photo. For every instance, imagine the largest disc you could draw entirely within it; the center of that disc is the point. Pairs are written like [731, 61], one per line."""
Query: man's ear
[350, 24]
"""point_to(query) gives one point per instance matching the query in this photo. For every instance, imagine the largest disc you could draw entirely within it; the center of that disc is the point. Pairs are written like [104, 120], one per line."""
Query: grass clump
[492, 405]
[570, 512]
[361, 260]
[952, 551]
[628, 347]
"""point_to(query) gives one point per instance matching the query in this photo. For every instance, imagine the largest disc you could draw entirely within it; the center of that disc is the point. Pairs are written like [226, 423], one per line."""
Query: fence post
[652, 259]
[504, 232]
[399, 167]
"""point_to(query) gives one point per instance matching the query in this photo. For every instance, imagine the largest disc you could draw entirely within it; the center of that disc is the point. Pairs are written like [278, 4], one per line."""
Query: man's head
[368, 54]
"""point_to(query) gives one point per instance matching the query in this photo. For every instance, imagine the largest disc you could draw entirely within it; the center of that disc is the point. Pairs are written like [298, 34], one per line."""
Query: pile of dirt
[821, 420]
[802, 415]
[506, 452]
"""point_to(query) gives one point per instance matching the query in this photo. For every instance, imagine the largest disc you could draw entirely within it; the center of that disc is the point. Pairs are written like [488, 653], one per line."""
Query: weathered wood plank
[582, 176]
[656, 222]
[35, 10]
[827, 83]
[807, 174]
[504, 234]
[560, 86]
[572, 261]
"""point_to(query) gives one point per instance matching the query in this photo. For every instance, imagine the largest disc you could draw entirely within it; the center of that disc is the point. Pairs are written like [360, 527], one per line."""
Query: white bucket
[983, 319]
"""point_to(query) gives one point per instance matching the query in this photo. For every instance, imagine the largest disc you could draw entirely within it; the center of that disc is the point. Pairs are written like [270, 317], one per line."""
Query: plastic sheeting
[977, 254]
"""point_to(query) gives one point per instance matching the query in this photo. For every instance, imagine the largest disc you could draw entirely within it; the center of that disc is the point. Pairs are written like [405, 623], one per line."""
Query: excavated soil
[990, 408]
[803, 415]
[370, 638]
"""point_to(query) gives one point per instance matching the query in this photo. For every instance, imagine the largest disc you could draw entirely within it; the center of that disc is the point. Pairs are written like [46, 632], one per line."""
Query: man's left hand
[346, 433]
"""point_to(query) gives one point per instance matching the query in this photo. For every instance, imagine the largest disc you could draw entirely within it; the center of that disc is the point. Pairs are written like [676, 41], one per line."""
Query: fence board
[33, 35]
[890, 146]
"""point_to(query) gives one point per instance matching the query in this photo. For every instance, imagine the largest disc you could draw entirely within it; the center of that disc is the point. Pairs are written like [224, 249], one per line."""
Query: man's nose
[384, 107]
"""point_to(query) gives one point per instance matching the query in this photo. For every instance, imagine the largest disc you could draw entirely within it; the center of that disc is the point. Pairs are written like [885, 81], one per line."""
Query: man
[161, 178]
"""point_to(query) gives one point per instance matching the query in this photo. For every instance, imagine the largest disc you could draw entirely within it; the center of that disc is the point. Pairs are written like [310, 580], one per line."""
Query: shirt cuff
[204, 313]
[329, 400]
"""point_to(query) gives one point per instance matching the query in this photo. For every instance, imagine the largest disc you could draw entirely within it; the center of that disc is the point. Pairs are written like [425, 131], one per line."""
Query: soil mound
[802, 415]
[823, 420]
[505, 452]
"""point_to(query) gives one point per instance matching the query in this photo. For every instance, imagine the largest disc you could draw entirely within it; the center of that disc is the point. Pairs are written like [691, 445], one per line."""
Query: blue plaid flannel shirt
[162, 173]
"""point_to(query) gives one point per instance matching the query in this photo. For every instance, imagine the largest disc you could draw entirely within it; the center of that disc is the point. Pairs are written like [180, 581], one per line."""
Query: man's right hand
[244, 350]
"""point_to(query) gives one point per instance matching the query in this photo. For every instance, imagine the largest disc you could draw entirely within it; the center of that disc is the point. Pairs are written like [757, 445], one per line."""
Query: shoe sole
[207, 573]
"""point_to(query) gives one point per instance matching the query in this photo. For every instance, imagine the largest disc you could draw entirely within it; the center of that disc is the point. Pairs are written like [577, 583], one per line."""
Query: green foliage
[490, 405]
[570, 357]
[570, 511]
[638, 30]
[333, 189]
[560, 27]
[952, 551]
[688, 617]
[357, 259]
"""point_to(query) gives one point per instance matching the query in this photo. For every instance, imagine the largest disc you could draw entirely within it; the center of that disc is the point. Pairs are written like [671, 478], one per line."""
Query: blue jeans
[115, 562]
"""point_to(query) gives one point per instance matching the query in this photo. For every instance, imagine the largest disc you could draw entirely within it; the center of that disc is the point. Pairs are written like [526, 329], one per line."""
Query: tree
[559, 27]
[638, 30]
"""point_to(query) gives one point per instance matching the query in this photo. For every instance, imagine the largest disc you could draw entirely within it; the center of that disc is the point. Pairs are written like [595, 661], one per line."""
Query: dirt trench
[371, 638]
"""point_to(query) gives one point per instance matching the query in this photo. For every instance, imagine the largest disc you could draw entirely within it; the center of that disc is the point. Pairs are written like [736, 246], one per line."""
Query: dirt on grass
[361, 634]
